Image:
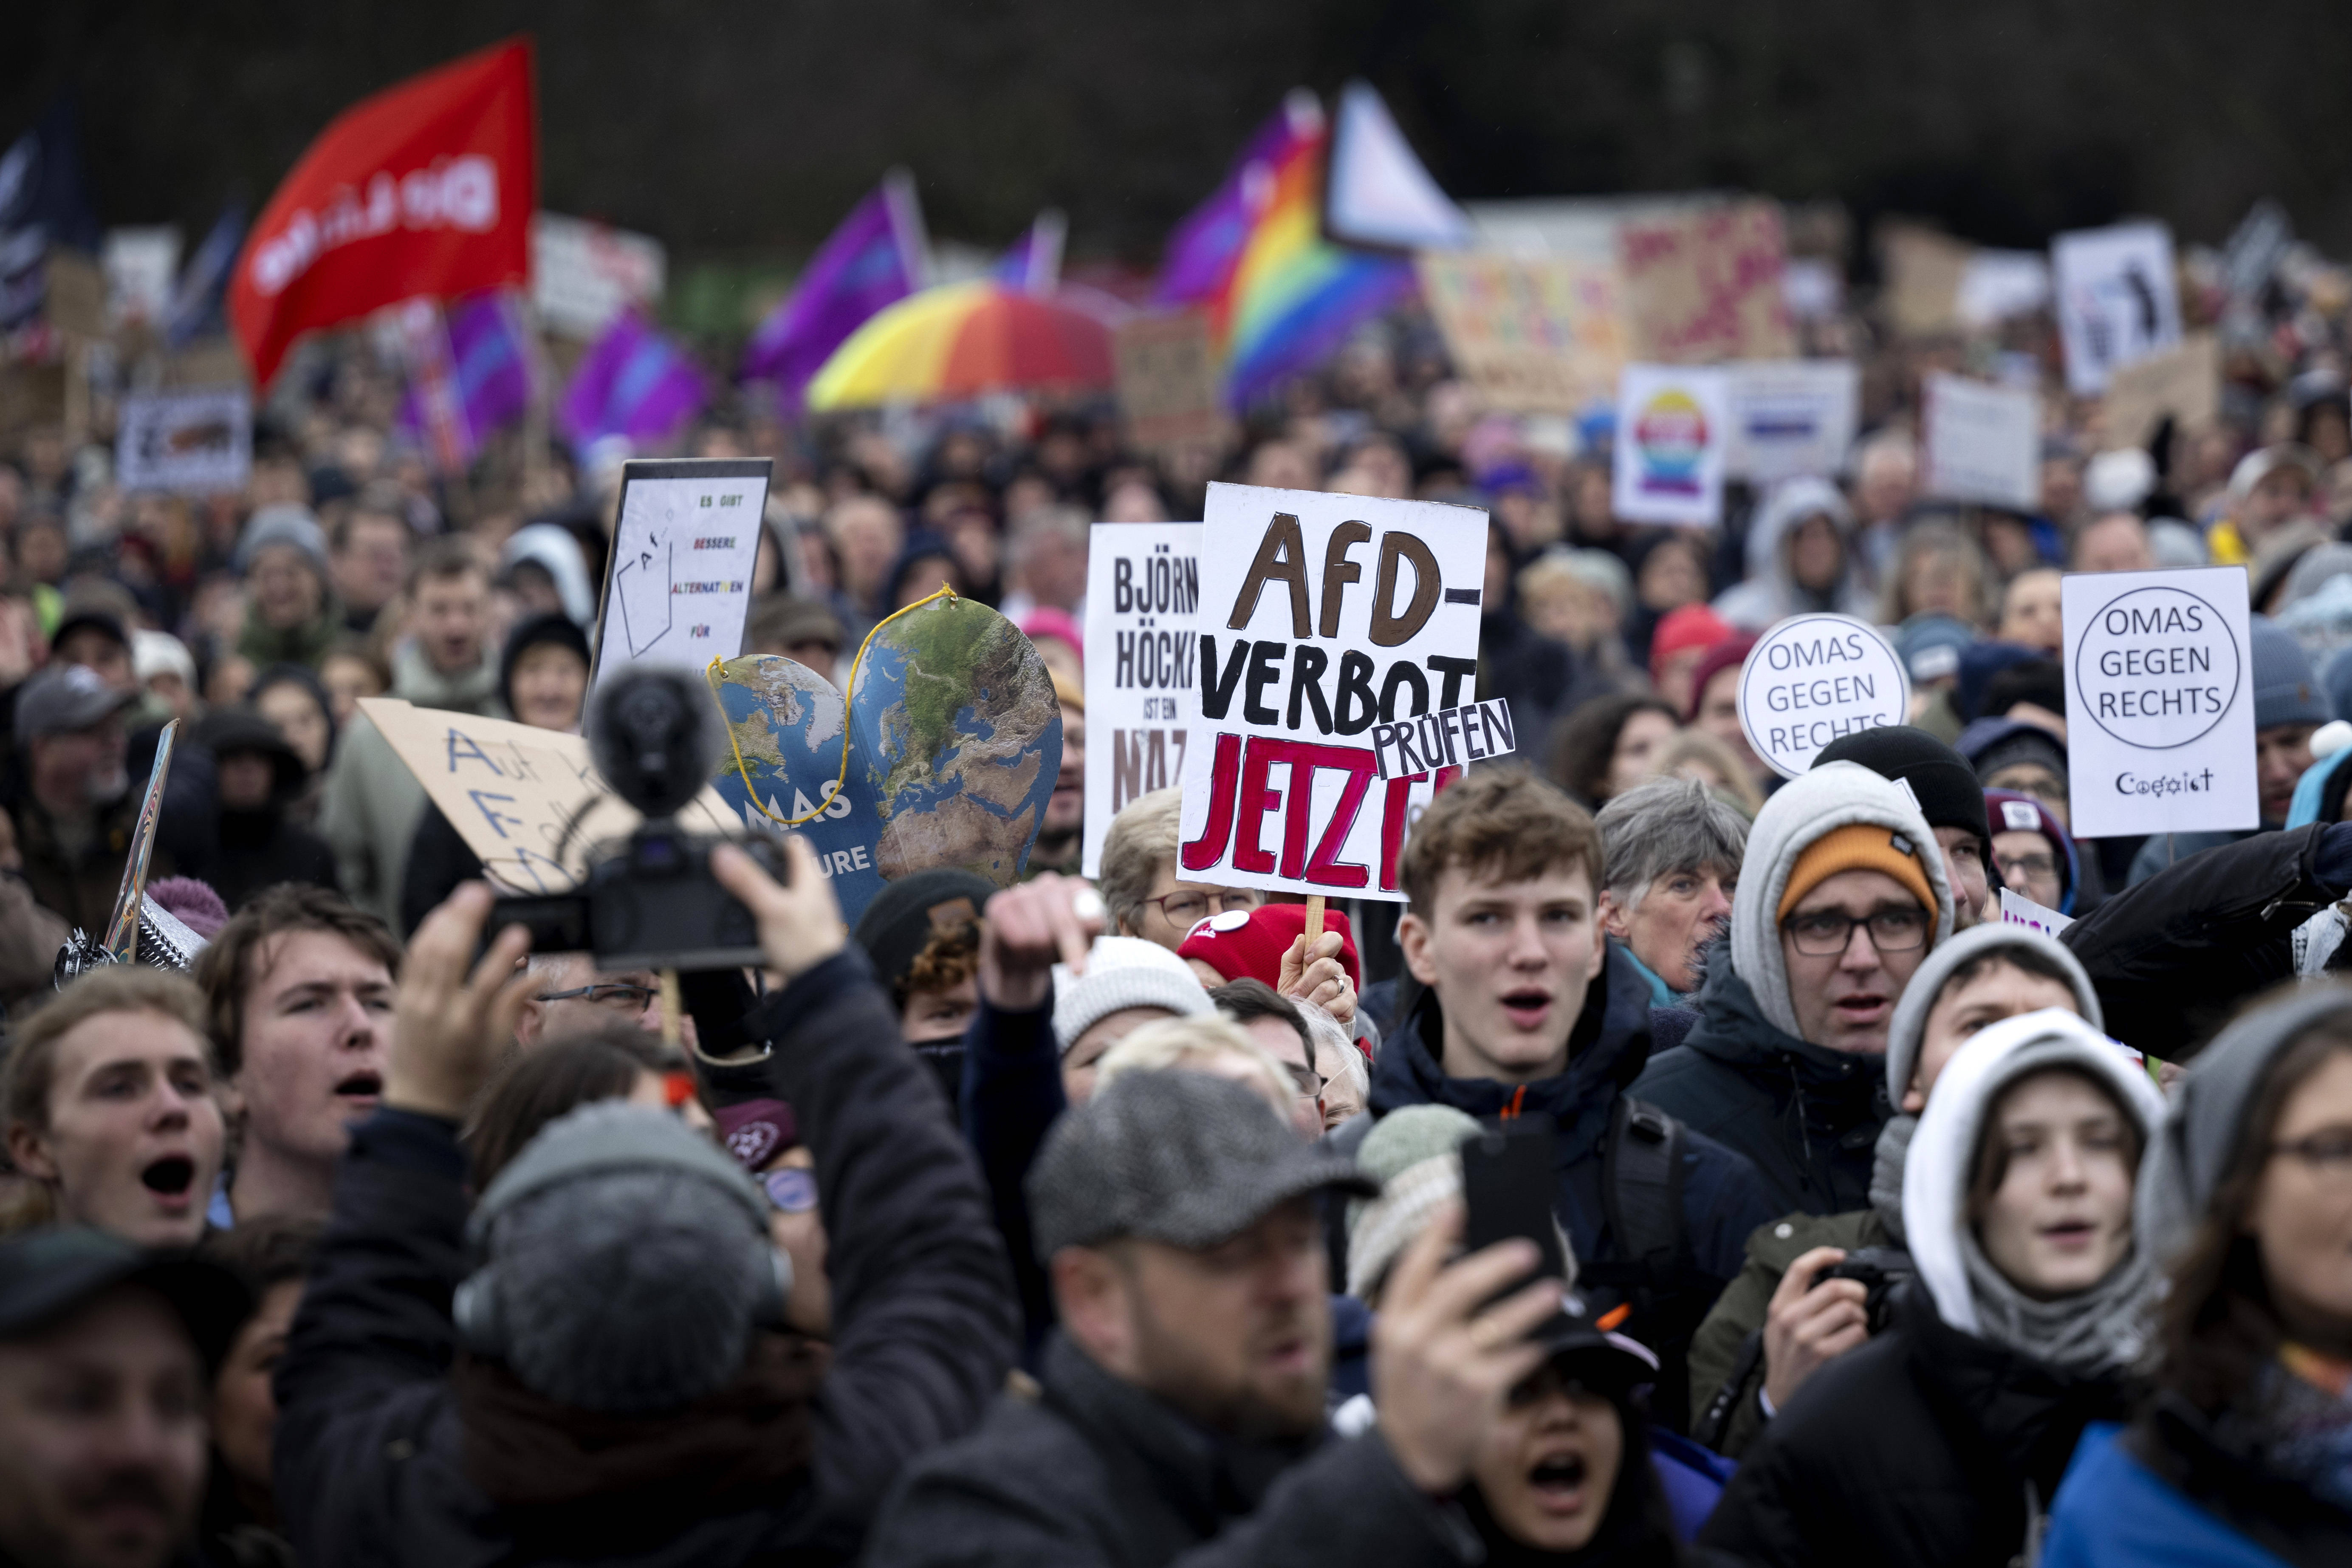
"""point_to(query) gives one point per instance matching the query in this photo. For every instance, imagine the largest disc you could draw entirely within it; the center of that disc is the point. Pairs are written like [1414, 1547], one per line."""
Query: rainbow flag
[1280, 298]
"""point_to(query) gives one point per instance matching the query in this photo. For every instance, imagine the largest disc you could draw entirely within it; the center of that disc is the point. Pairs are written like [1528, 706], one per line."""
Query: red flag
[425, 189]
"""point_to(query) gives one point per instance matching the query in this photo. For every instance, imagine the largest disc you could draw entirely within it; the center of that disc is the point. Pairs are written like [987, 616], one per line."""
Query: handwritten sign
[2160, 701]
[1321, 616]
[1450, 738]
[1673, 435]
[1705, 286]
[2117, 299]
[679, 582]
[1167, 376]
[1533, 335]
[1811, 680]
[188, 442]
[1983, 442]
[2184, 383]
[1143, 584]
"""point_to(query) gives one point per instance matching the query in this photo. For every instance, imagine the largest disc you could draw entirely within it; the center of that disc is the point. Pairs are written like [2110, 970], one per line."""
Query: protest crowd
[1666, 1153]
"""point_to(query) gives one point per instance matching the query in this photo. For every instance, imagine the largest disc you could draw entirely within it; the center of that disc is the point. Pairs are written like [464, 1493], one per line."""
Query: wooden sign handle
[1313, 917]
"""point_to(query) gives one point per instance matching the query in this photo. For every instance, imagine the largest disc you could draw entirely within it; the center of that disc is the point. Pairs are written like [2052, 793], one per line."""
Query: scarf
[2299, 1421]
[1887, 1173]
[2101, 1330]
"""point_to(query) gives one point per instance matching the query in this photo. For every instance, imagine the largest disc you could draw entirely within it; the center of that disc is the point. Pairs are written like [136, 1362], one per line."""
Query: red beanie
[1250, 946]
[1729, 654]
[1679, 631]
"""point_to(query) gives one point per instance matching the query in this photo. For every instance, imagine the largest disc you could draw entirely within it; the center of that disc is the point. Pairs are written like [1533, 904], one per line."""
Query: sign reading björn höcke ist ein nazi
[2160, 701]
[1811, 679]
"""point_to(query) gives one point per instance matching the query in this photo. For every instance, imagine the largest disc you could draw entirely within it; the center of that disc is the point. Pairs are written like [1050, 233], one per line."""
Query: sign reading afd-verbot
[2160, 701]
[1812, 678]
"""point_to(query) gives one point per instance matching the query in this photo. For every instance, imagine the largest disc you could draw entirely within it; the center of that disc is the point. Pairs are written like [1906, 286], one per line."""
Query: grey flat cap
[1176, 1157]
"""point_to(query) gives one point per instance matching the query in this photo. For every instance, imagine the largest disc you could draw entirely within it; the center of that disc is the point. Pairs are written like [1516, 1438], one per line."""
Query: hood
[1788, 503]
[2321, 780]
[473, 691]
[1908, 1027]
[1832, 795]
[1835, 1086]
[551, 547]
[1936, 1171]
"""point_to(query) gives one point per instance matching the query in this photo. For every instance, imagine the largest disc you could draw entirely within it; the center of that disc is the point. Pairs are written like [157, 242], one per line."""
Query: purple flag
[634, 383]
[490, 367]
[875, 259]
[1204, 247]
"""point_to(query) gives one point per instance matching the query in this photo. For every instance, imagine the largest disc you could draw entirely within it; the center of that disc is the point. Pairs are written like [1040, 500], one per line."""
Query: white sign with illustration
[678, 585]
[1143, 583]
[1811, 680]
[189, 442]
[2117, 299]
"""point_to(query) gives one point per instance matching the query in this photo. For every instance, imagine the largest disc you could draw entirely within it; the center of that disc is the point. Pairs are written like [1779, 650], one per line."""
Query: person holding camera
[1942, 1441]
[1817, 1286]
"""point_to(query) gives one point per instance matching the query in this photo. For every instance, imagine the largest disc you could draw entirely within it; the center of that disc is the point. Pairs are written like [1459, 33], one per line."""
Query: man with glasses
[1141, 891]
[1843, 892]
[572, 998]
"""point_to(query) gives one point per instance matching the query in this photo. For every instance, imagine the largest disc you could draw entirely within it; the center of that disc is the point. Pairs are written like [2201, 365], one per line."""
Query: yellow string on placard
[841, 779]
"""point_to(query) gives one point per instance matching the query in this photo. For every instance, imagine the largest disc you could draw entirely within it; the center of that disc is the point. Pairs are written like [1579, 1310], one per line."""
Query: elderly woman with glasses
[1142, 890]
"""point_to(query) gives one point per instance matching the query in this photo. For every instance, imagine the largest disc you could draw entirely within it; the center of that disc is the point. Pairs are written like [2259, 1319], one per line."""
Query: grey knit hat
[1415, 1154]
[1907, 1032]
[1108, 988]
[1173, 1156]
[628, 1261]
[284, 524]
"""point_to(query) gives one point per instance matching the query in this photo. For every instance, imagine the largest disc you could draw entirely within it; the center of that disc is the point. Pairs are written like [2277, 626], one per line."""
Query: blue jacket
[2112, 1512]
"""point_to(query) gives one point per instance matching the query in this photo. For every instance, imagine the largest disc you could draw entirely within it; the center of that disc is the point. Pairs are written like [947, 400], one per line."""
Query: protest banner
[1983, 443]
[679, 581]
[2184, 383]
[2117, 299]
[584, 274]
[2159, 702]
[189, 443]
[1451, 738]
[1167, 371]
[1812, 678]
[1533, 335]
[1673, 434]
[511, 790]
[1791, 417]
[1706, 285]
[1923, 271]
[1321, 616]
[1143, 584]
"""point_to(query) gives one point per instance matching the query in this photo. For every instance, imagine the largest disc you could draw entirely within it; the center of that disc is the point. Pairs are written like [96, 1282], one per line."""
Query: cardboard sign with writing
[509, 789]
[1673, 436]
[1791, 417]
[2183, 382]
[1811, 680]
[189, 442]
[1533, 335]
[1706, 285]
[1167, 373]
[1454, 738]
[2159, 702]
[678, 585]
[1321, 616]
[1983, 443]
[2117, 299]
[1143, 586]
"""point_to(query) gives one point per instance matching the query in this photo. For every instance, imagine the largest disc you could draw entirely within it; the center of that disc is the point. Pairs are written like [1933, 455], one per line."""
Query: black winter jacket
[1926, 1446]
[1095, 1473]
[368, 1458]
[1807, 1117]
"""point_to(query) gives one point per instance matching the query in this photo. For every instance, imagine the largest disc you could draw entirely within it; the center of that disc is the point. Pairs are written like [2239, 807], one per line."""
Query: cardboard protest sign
[2117, 299]
[1167, 371]
[509, 790]
[783, 772]
[1983, 443]
[678, 584]
[1143, 584]
[2159, 702]
[584, 274]
[1706, 285]
[76, 302]
[1451, 738]
[2017, 910]
[1533, 335]
[2183, 382]
[189, 442]
[1791, 417]
[1811, 680]
[1321, 616]
[1673, 435]
[1923, 271]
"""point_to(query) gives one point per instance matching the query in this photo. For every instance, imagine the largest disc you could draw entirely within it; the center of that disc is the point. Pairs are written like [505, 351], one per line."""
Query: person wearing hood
[1523, 1008]
[2237, 1458]
[543, 567]
[294, 615]
[1800, 558]
[1781, 1319]
[1841, 896]
[1942, 1440]
[259, 777]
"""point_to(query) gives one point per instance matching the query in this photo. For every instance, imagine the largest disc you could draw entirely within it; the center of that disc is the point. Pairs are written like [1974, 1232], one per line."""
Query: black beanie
[1948, 790]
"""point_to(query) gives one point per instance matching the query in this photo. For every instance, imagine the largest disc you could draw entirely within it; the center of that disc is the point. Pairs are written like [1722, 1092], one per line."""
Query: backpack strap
[1642, 1181]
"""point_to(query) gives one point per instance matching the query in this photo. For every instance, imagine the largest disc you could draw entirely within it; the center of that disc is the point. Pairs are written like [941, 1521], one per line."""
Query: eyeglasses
[2328, 1153]
[1184, 909]
[2027, 865]
[1308, 1083]
[1827, 933]
[619, 995]
[791, 1188]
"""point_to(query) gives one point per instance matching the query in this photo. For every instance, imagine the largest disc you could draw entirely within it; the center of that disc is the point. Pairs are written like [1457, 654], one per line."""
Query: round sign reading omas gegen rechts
[1811, 678]
[2158, 667]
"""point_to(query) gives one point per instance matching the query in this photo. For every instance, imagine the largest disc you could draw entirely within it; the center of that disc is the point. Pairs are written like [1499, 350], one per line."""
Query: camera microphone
[656, 737]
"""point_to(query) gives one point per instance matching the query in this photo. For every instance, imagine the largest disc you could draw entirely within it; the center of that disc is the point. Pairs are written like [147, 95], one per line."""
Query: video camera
[649, 900]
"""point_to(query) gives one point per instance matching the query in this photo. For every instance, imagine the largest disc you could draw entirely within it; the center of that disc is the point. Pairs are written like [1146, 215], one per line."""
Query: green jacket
[304, 645]
[1714, 1352]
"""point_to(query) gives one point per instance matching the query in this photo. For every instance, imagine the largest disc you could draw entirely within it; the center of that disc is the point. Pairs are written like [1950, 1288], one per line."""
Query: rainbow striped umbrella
[962, 340]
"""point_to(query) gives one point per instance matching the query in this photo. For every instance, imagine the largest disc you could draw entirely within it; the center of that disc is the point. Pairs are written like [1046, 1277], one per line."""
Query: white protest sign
[1812, 678]
[2117, 299]
[584, 274]
[1791, 417]
[1983, 443]
[2017, 910]
[510, 789]
[189, 442]
[678, 584]
[1321, 616]
[140, 264]
[2159, 702]
[1674, 433]
[1451, 738]
[1143, 583]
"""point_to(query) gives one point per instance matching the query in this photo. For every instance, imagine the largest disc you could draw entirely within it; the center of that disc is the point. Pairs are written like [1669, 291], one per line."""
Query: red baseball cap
[1681, 630]
[1250, 945]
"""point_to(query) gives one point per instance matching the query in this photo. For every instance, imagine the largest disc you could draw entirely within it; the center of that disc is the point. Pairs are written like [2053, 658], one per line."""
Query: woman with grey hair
[1671, 851]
